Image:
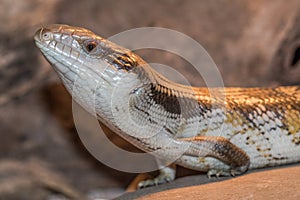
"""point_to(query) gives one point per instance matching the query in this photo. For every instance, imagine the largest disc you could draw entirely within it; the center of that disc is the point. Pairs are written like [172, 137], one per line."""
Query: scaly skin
[236, 130]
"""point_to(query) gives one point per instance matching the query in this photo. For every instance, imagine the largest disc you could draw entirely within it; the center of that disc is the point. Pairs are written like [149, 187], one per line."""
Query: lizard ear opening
[124, 61]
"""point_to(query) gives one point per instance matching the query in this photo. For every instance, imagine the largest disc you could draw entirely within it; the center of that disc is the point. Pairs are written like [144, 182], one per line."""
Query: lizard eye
[90, 46]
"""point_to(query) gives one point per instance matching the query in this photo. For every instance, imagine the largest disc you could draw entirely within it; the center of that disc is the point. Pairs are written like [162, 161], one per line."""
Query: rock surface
[277, 183]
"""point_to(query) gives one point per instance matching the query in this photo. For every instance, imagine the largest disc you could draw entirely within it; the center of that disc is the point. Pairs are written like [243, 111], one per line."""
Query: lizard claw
[218, 172]
[161, 179]
[227, 172]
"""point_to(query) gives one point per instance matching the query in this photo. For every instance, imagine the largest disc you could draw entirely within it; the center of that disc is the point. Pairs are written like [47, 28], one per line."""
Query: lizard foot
[166, 175]
[220, 172]
[227, 172]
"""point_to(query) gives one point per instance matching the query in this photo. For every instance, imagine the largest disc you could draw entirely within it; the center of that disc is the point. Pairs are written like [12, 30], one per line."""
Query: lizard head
[88, 65]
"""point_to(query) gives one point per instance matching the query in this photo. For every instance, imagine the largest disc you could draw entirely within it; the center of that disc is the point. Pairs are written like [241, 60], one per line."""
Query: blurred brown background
[253, 43]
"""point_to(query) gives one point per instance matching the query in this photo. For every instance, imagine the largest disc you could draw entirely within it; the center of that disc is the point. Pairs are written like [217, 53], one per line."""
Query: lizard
[254, 128]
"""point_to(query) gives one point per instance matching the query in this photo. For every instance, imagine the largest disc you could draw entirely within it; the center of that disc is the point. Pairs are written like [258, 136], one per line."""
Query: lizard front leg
[236, 160]
[221, 149]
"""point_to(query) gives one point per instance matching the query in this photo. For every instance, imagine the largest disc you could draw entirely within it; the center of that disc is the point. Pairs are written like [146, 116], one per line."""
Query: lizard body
[244, 128]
